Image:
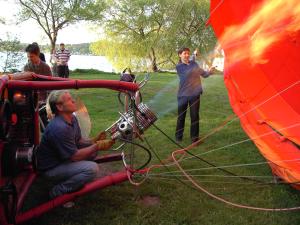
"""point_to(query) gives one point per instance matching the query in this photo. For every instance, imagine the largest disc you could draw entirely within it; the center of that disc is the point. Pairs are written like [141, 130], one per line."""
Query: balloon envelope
[261, 43]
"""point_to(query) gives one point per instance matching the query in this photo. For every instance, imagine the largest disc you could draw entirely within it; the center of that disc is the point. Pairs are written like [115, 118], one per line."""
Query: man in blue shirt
[189, 92]
[64, 156]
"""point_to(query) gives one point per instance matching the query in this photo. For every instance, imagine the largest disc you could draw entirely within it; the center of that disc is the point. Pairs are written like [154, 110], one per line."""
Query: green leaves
[54, 15]
[11, 55]
[149, 32]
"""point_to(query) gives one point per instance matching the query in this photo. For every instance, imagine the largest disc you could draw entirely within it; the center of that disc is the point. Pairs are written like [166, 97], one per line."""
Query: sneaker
[69, 205]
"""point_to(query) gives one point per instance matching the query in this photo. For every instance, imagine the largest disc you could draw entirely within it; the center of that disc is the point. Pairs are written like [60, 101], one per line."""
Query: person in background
[189, 92]
[37, 66]
[63, 155]
[53, 61]
[62, 59]
[41, 55]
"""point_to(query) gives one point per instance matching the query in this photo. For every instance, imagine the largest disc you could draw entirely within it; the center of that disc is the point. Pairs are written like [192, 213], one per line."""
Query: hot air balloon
[261, 42]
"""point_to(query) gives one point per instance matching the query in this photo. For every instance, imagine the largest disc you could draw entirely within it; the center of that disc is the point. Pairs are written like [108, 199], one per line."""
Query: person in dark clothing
[37, 66]
[42, 57]
[189, 92]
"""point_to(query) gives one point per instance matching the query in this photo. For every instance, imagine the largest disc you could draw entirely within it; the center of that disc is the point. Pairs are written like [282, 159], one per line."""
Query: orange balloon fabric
[261, 43]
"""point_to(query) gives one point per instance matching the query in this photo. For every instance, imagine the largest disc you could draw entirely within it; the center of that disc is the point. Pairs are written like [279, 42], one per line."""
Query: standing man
[62, 56]
[189, 92]
[36, 65]
[64, 156]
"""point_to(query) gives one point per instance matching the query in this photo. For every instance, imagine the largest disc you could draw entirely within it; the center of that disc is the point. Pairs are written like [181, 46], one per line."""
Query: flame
[269, 23]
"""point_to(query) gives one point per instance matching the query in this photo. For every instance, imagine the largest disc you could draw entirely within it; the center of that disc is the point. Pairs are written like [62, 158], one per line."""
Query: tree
[131, 27]
[189, 28]
[139, 31]
[54, 15]
[120, 54]
[11, 55]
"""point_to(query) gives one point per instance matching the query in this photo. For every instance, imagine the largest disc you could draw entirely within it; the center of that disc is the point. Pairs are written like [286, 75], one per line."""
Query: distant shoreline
[76, 62]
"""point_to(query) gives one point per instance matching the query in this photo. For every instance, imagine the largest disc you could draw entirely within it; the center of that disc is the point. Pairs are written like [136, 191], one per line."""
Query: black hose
[144, 148]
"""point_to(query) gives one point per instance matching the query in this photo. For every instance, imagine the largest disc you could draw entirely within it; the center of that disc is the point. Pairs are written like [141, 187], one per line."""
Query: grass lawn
[179, 203]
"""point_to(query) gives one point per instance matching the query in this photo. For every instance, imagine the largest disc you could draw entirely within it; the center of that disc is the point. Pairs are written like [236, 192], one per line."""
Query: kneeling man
[63, 155]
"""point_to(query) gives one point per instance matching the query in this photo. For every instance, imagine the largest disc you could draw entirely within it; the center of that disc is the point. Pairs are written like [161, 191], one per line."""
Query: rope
[222, 199]
[231, 166]
[183, 150]
[246, 140]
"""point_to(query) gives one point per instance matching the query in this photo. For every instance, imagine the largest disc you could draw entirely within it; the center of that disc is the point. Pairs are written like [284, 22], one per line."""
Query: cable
[203, 160]
[167, 168]
[222, 199]
[144, 148]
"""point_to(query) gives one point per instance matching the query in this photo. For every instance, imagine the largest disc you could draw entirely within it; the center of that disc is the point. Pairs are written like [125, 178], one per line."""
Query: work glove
[100, 136]
[105, 144]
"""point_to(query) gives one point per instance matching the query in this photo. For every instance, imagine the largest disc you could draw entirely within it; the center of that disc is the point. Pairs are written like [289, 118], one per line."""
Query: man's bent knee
[90, 170]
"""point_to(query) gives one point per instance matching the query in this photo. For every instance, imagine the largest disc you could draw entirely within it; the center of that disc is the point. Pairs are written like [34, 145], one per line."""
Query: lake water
[76, 62]
[95, 62]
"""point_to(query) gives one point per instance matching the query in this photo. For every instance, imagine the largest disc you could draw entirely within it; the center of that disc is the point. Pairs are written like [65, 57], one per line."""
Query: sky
[29, 31]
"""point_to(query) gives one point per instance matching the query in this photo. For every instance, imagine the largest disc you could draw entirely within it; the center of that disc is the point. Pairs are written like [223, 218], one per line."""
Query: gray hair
[54, 98]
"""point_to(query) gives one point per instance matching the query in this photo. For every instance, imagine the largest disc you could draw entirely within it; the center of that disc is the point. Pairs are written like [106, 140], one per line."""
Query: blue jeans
[71, 176]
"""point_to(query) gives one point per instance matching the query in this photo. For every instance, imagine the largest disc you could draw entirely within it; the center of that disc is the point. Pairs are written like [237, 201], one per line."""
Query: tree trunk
[52, 47]
[153, 61]
[53, 41]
